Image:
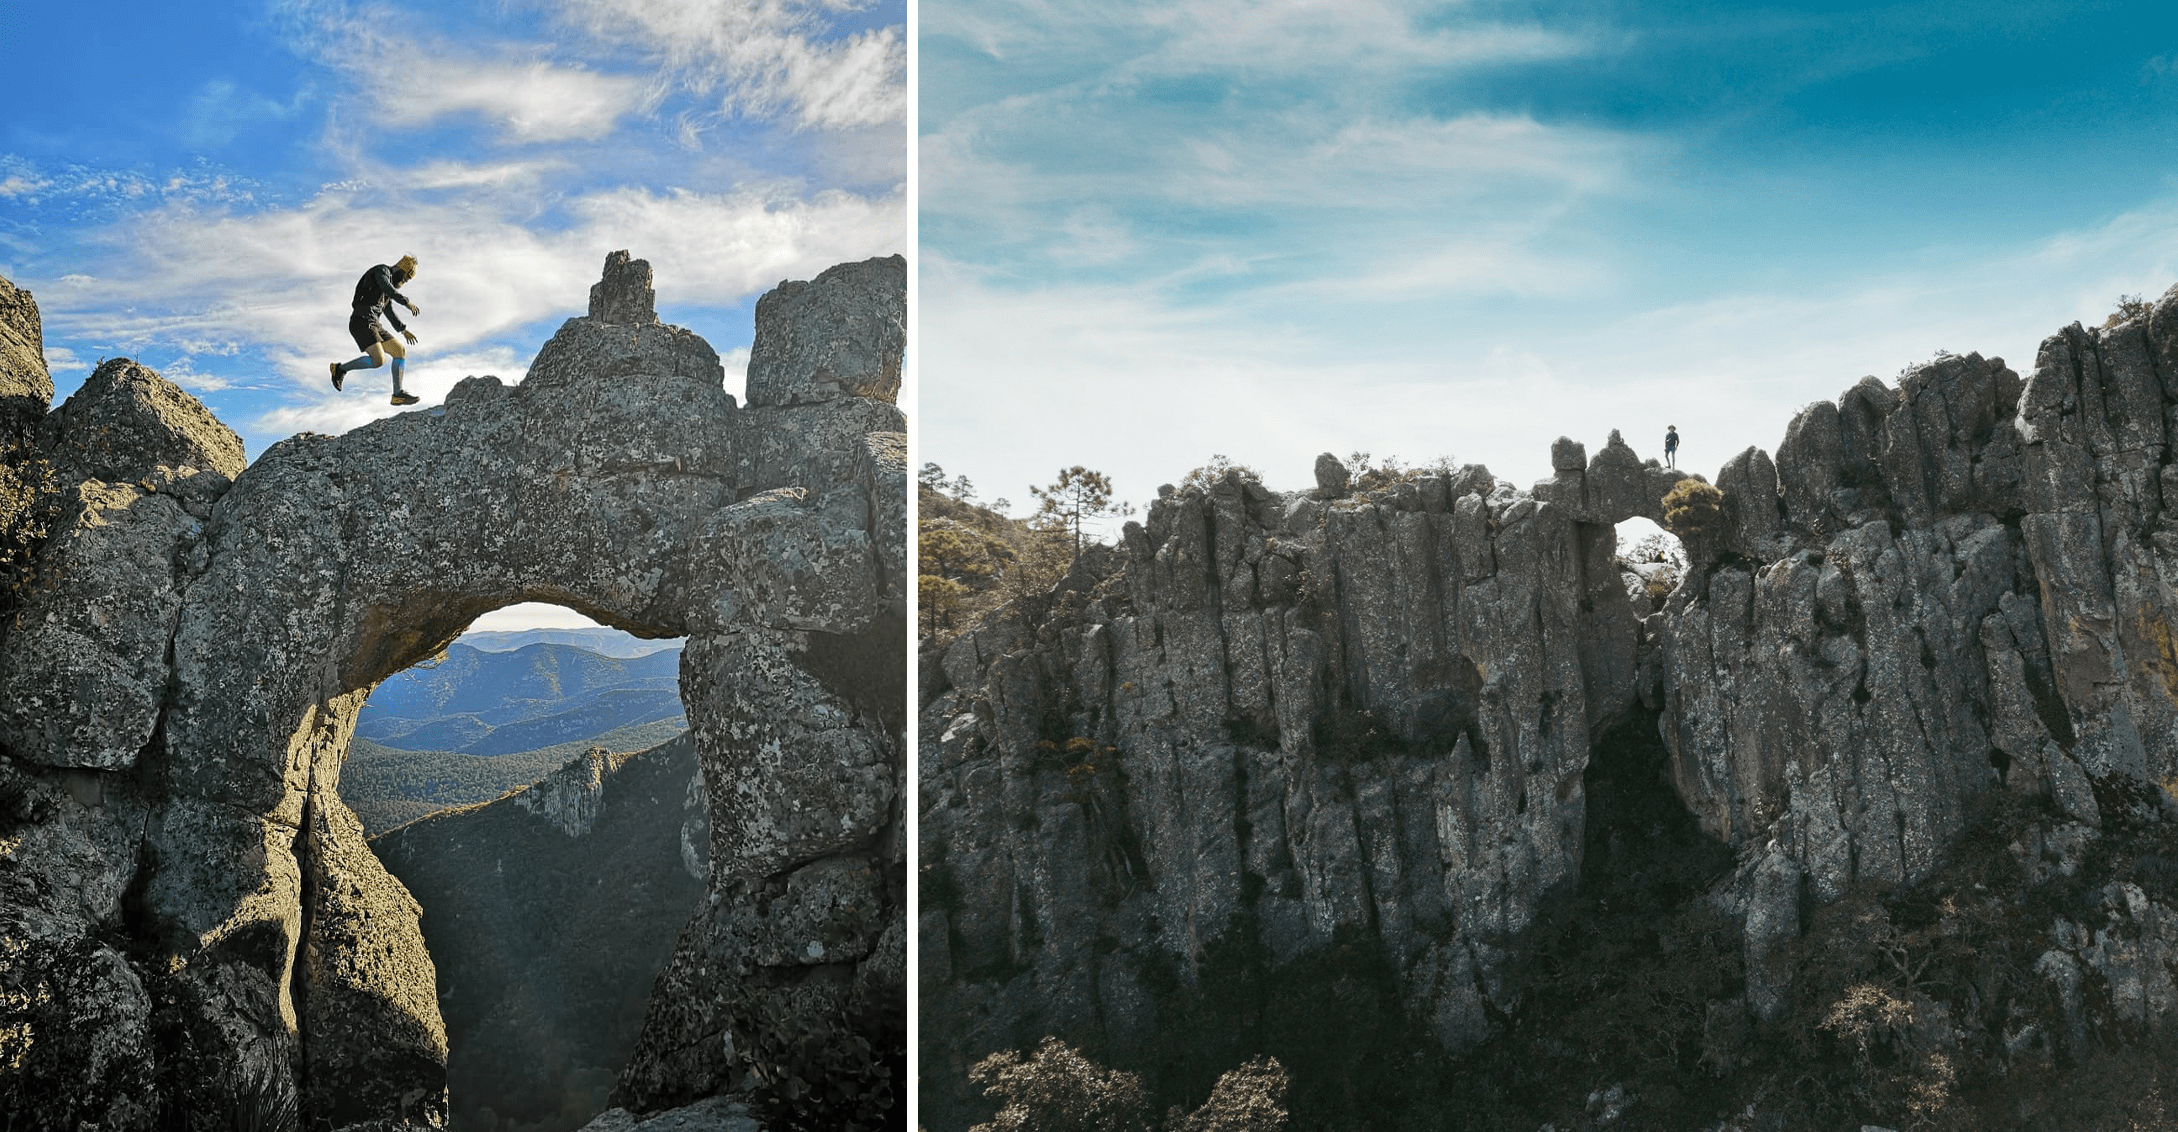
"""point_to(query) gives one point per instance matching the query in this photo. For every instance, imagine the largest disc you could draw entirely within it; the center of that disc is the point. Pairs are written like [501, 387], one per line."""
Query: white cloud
[1340, 39]
[528, 102]
[317, 407]
[61, 359]
[282, 278]
[214, 282]
[462, 175]
[736, 364]
[1148, 386]
[220, 109]
[772, 59]
[530, 615]
[183, 371]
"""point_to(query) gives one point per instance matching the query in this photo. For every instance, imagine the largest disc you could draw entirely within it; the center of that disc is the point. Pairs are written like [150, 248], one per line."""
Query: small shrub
[2129, 307]
[1692, 508]
[1251, 1098]
[1213, 473]
[1058, 1090]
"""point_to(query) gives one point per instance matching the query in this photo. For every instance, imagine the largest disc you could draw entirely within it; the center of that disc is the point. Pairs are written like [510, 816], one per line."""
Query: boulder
[838, 335]
[127, 420]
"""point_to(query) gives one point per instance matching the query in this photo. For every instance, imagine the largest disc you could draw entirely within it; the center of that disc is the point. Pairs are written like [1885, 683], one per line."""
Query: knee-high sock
[397, 364]
[360, 361]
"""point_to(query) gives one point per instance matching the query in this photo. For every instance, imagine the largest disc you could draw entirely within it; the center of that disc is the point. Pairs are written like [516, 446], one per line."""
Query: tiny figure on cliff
[374, 295]
[1671, 444]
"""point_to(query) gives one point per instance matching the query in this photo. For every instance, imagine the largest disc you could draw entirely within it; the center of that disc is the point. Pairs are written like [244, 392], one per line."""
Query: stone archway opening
[518, 694]
[534, 789]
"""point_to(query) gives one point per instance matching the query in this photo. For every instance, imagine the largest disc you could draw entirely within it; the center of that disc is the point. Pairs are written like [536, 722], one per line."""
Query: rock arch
[618, 479]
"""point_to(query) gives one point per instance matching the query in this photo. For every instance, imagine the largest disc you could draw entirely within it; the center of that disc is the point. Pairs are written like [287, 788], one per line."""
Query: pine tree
[1077, 498]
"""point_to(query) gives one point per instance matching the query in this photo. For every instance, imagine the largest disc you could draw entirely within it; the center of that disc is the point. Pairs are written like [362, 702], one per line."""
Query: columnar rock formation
[183, 889]
[1324, 716]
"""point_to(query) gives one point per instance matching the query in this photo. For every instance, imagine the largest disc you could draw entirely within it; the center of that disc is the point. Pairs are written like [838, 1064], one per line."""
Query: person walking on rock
[1671, 444]
[375, 295]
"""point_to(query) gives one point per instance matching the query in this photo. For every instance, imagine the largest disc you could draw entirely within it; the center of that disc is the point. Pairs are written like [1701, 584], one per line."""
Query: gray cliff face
[1325, 717]
[184, 680]
[549, 914]
[1336, 715]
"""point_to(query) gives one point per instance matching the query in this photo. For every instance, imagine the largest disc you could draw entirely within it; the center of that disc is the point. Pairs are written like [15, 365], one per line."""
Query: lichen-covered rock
[715, 1115]
[568, 799]
[83, 680]
[1362, 717]
[214, 660]
[838, 335]
[624, 296]
[26, 387]
[127, 420]
[366, 984]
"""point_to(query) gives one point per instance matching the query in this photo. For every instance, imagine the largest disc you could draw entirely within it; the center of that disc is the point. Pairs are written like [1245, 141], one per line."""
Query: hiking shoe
[405, 398]
[337, 376]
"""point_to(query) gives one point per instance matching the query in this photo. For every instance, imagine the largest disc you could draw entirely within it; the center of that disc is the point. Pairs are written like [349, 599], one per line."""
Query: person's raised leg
[370, 359]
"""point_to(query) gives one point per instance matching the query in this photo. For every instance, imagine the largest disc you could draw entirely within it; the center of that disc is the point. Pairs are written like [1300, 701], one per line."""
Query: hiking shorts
[366, 331]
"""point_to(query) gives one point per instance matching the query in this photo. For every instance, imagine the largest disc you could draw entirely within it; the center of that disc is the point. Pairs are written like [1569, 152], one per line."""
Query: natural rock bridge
[187, 909]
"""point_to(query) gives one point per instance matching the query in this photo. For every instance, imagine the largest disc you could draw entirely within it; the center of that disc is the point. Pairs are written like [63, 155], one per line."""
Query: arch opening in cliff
[561, 753]
[498, 709]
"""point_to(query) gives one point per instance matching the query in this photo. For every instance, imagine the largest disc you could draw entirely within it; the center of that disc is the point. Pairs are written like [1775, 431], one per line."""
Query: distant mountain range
[479, 722]
[483, 702]
[607, 642]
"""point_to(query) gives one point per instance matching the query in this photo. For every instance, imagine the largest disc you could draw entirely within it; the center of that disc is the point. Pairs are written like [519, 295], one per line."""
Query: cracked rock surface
[1283, 724]
[182, 687]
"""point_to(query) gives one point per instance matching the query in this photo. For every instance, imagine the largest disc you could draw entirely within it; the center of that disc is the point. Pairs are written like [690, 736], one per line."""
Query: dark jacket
[374, 296]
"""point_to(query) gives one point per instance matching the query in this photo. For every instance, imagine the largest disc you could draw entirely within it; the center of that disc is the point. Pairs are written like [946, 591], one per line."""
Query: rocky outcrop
[716, 1115]
[179, 704]
[26, 387]
[549, 914]
[127, 420]
[846, 330]
[1280, 725]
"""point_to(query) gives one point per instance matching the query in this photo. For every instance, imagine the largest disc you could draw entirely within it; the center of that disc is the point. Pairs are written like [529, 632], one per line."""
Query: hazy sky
[198, 186]
[1152, 232]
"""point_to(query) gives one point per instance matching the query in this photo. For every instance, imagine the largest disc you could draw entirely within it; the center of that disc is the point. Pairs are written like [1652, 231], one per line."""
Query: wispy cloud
[778, 58]
[276, 282]
[221, 109]
[62, 360]
[314, 406]
[526, 102]
[1152, 387]
[1264, 146]
[509, 147]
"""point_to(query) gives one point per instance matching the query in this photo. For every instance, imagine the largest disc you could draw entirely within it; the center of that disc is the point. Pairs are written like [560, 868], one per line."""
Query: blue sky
[199, 186]
[1154, 232]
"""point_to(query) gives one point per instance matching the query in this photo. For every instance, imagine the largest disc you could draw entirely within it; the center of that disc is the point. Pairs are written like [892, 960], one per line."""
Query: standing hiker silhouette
[1671, 446]
[375, 295]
